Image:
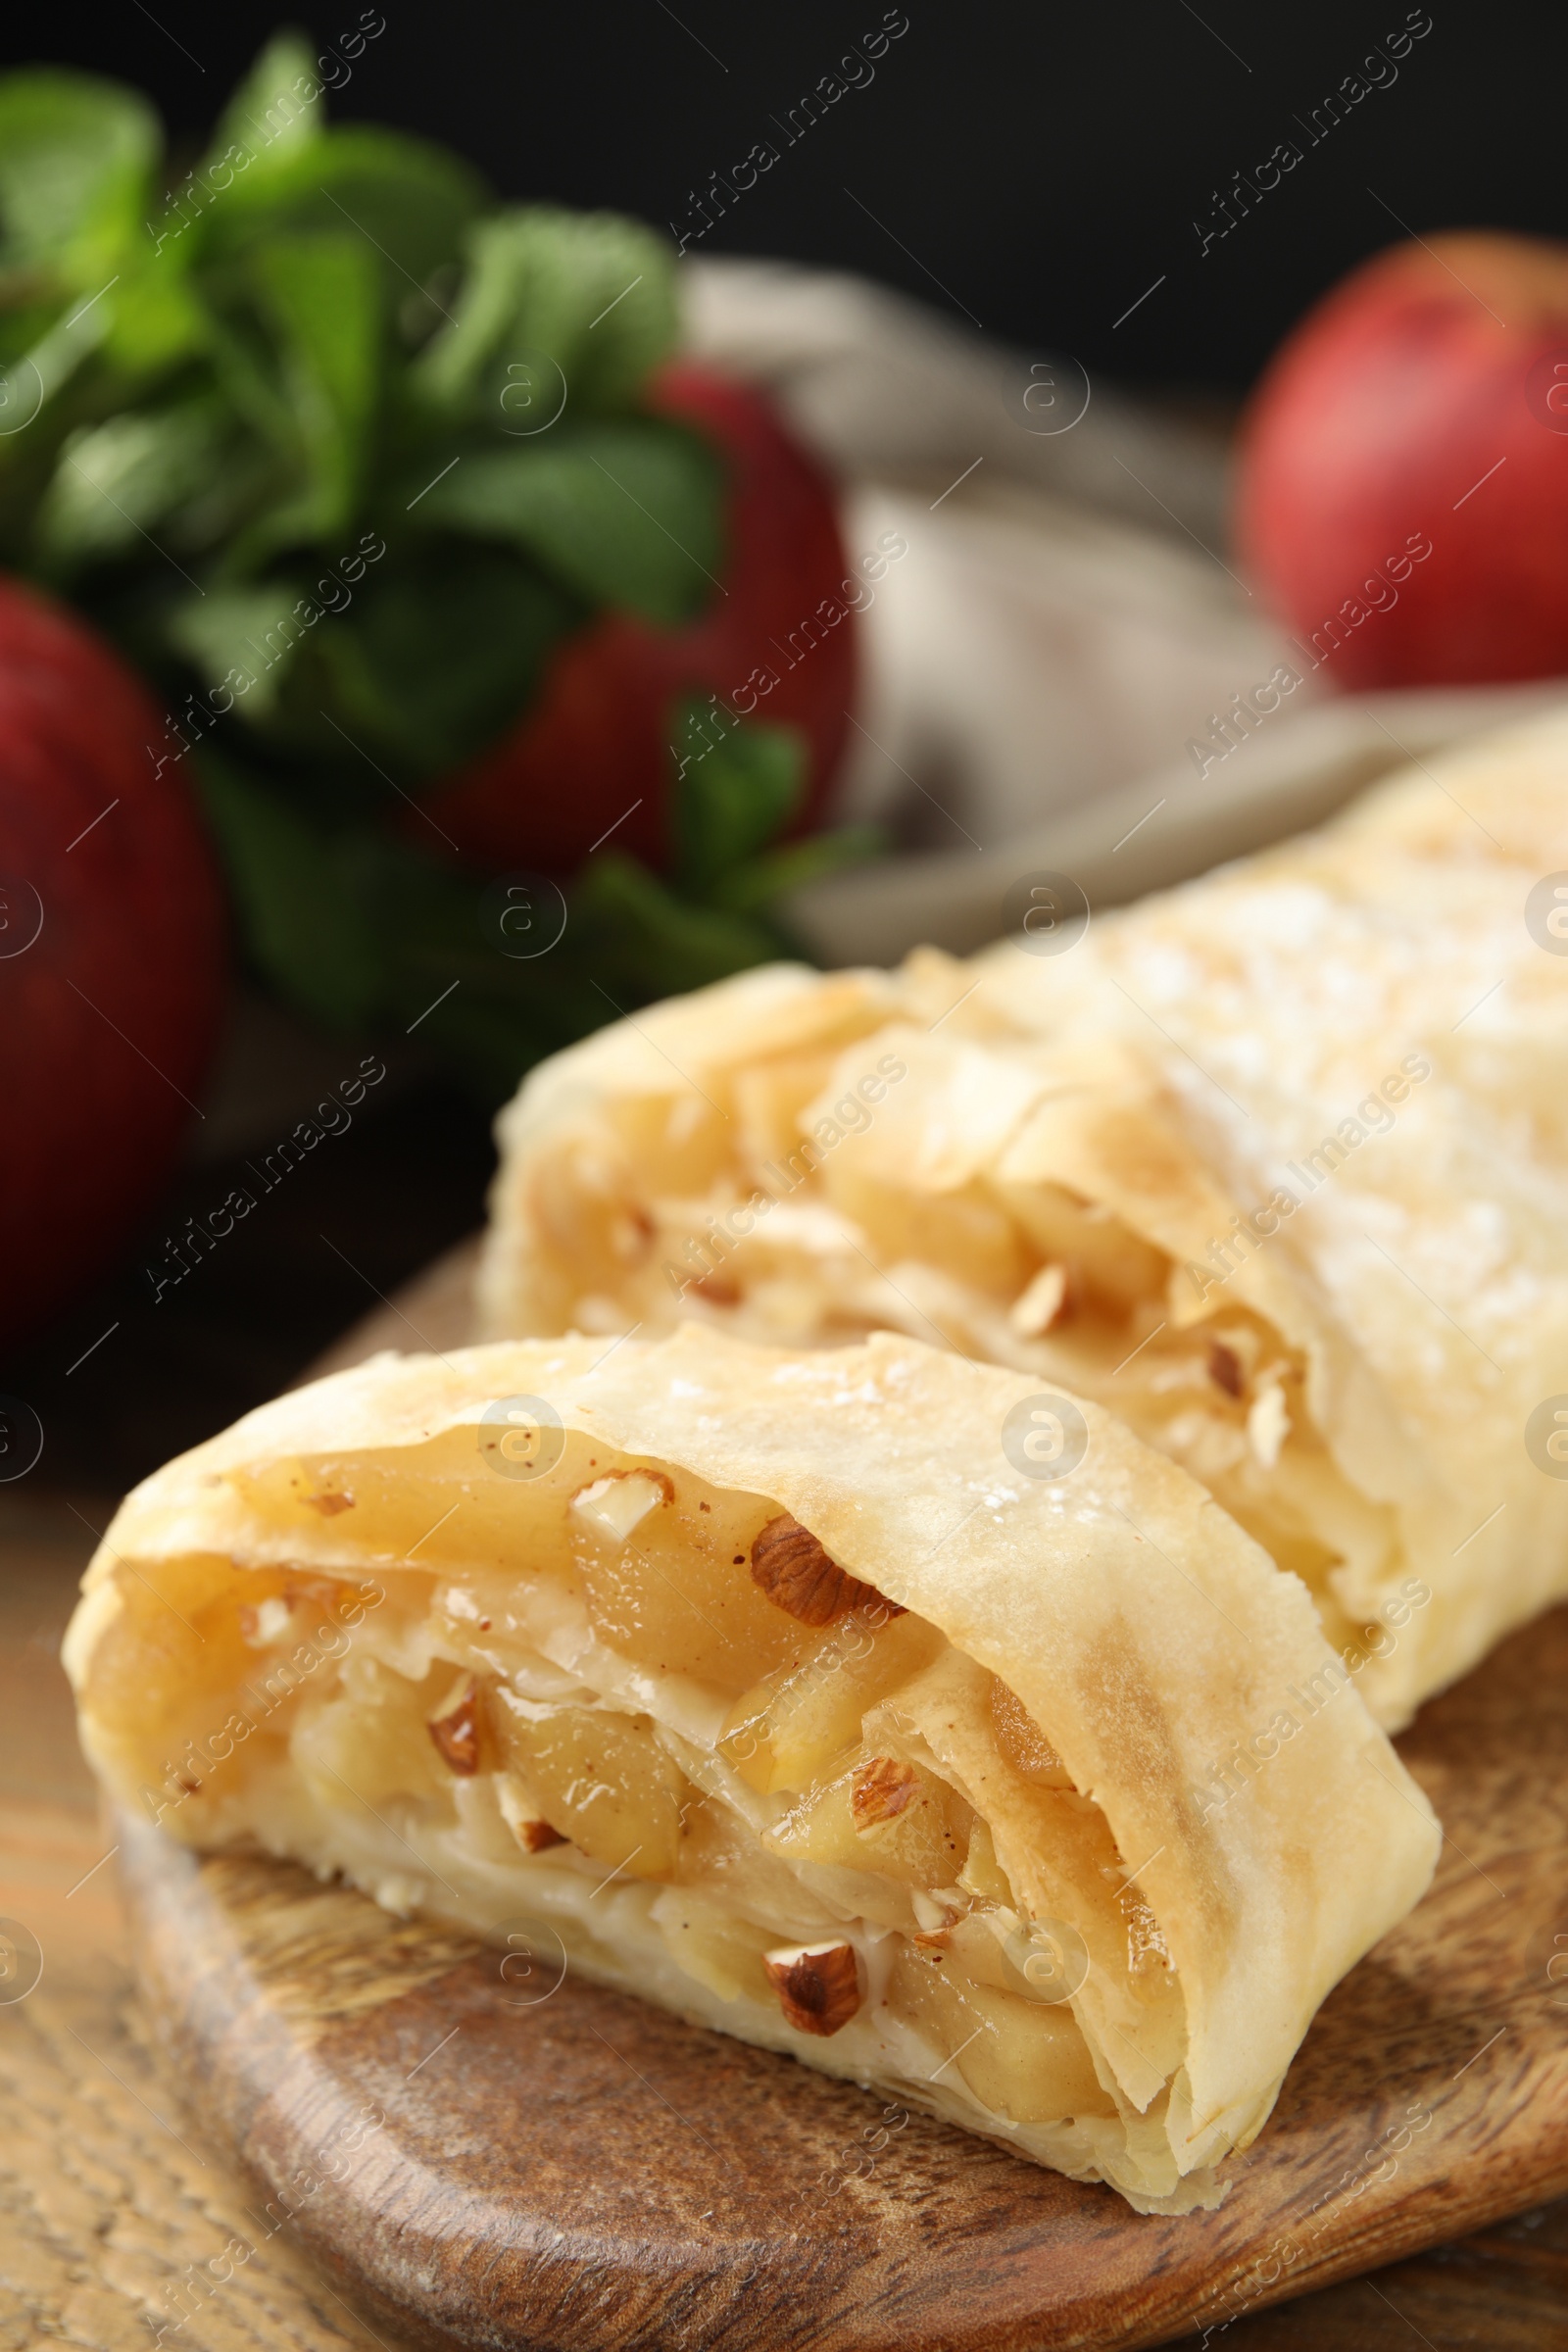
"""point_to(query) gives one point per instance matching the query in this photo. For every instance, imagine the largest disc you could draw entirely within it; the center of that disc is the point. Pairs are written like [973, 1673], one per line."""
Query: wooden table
[108, 2190]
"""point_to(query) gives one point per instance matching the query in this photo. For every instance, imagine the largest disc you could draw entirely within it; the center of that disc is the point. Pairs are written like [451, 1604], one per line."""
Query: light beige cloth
[1042, 667]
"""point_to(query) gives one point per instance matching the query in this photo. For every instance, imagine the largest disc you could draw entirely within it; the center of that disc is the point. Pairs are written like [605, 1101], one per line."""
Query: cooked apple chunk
[782, 1697]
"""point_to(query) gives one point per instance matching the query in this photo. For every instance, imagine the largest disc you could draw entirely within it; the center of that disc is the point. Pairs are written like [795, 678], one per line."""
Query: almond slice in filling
[818, 1985]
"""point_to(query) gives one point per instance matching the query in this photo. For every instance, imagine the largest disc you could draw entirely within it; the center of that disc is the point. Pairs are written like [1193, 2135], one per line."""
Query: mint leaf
[408, 671]
[153, 322]
[318, 328]
[756, 887]
[128, 477]
[648, 941]
[241, 634]
[737, 785]
[628, 514]
[275, 115]
[434, 661]
[593, 292]
[409, 201]
[76, 159]
[324, 296]
[301, 910]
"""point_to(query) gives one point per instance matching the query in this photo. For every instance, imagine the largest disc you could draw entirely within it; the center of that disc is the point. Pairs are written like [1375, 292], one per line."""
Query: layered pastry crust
[1274, 1165]
[766, 1685]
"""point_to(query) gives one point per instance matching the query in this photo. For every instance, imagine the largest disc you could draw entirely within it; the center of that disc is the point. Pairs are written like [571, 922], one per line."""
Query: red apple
[596, 736]
[1422, 403]
[111, 955]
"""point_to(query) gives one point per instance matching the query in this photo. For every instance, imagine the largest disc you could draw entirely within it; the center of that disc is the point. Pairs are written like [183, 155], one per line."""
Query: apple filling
[820, 1193]
[654, 1720]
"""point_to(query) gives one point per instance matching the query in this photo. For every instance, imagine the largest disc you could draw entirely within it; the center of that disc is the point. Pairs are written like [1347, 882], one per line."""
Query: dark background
[1034, 168]
[1036, 165]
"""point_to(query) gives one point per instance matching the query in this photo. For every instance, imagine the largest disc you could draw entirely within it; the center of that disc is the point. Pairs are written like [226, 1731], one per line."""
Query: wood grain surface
[111, 2198]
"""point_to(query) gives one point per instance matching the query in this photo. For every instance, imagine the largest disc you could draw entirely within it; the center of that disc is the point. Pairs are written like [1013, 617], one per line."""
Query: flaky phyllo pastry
[1274, 1165]
[768, 1687]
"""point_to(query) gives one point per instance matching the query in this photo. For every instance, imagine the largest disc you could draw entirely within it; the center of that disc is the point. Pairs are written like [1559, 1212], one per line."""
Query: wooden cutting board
[515, 2159]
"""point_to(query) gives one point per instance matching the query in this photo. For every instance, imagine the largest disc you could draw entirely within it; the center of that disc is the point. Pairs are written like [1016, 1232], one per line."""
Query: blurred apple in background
[1423, 402]
[596, 741]
[112, 963]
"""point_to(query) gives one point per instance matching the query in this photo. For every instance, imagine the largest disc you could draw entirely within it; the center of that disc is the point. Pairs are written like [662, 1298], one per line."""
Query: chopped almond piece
[534, 1837]
[818, 1985]
[1041, 1304]
[267, 1622]
[520, 1810]
[882, 1788]
[454, 1725]
[615, 1506]
[720, 1290]
[799, 1575]
[1268, 1423]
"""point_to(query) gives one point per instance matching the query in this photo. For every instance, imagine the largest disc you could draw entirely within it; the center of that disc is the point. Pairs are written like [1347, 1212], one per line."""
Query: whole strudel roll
[1275, 1165]
[845, 1701]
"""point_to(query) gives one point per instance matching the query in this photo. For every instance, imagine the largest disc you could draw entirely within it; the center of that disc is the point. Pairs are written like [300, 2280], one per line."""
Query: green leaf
[325, 297]
[296, 893]
[409, 201]
[593, 292]
[76, 159]
[249, 631]
[488, 1017]
[154, 322]
[757, 886]
[652, 943]
[406, 671]
[630, 515]
[737, 786]
[123, 480]
[277, 113]
[246, 371]
[435, 661]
